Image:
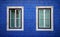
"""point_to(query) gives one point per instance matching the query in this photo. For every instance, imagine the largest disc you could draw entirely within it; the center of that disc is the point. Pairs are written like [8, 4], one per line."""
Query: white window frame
[37, 29]
[8, 29]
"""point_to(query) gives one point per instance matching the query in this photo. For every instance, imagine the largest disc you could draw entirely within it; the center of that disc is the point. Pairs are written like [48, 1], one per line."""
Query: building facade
[29, 19]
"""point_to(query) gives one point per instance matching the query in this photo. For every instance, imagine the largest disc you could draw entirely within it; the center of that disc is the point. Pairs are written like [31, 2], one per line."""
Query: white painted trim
[15, 19]
[44, 17]
[37, 18]
[8, 18]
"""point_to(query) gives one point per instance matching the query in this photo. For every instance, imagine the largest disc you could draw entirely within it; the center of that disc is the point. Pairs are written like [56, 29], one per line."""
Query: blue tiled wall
[29, 18]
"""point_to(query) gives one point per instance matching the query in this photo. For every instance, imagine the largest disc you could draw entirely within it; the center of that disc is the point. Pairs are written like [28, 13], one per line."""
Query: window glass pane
[12, 16]
[47, 18]
[19, 18]
[41, 20]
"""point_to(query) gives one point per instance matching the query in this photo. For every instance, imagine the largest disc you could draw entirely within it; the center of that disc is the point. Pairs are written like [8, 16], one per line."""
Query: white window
[44, 18]
[15, 18]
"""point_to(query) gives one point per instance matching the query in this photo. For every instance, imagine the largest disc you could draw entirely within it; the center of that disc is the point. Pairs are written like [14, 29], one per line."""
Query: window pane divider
[15, 18]
[44, 17]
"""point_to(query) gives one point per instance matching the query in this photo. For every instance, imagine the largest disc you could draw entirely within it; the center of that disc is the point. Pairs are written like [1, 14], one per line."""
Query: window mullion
[44, 17]
[15, 18]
